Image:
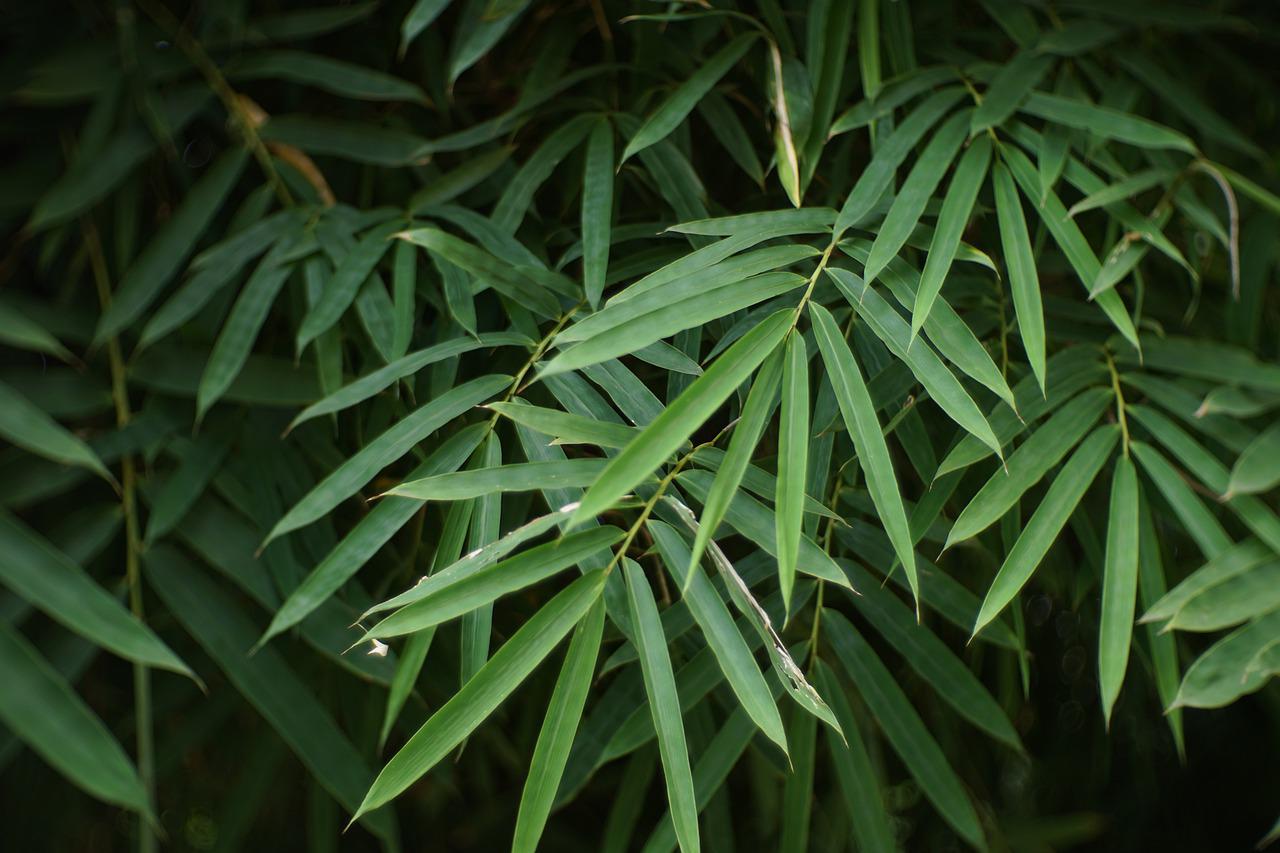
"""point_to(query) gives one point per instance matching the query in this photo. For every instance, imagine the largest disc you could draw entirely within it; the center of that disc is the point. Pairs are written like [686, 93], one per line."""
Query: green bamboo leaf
[653, 293]
[875, 179]
[1029, 463]
[265, 680]
[19, 331]
[200, 462]
[732, 136]
[1122, 189]
[418, 19]
[408, 668]
[925, 365]
[92, 178]
[660, 687]
[1237, 402]
[1009, 87]
[916, 191]
[331, 75]
[1068, 372]
[367, 537]
[1069, 239]
[686, 413]
[898, 91]
[597, 210]
[860, 419]
[404, 283]
[378, 380]
[723, 637]
[677, 106]
[31, 429]
[793, 460]
[950, 678]
[520, 284]
[1232, 601]
[1258, 468]
[797, 792]
[1199, 523]
[385, 449]
[789, 673]
[514, 202]
[1021, 263]
[1106, 122]
[352, 270]
[1047, 522]
[516, 477]
[1164, 651]
[1222, 674]
[477, 34]
[44, 712]
[564, 711]
[904, 728]
[855, 774]
[666, 321]
[482, 694]
[946, 330]
[47, 578]
[240, 331]
[1240, 558]
[215, 268]
[478, 559]
[742, 444]
[1052, 157]
[957, 207]
[868, 27]
[463, 587]
[755, 521]
[808, 220]
[455, 182]
[1119, 585]
[565, 428]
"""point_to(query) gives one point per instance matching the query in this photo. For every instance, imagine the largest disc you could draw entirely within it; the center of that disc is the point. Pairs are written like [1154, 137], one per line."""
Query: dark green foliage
[637, 426]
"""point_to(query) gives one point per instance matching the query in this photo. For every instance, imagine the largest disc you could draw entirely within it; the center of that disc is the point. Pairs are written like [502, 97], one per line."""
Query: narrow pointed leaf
[482, 694]
[1047, 522]
[1119, 584]
[660, 687]
[677, 422]
[957, 207]
[793, 459]
[672, 111]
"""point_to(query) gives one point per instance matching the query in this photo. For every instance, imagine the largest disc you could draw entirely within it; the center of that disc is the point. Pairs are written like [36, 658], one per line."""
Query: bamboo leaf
[919, 187]
[952, 220]
[660, 687]
[40, 707]
[793, 456]
[673, 110]
[459, 590]
[678, 421]
[1047, 522]
[746, 435]
[482, 694]
[1120, 584]
[860, 419]
[564, 711]
[904, 729]
[354, 473]
[31, 429]
[1021, 263]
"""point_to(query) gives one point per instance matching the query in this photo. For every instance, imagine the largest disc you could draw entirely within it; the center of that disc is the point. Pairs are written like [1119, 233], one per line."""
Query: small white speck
[571, 507]
[420, 580]
[474, 553]
[379, 649]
